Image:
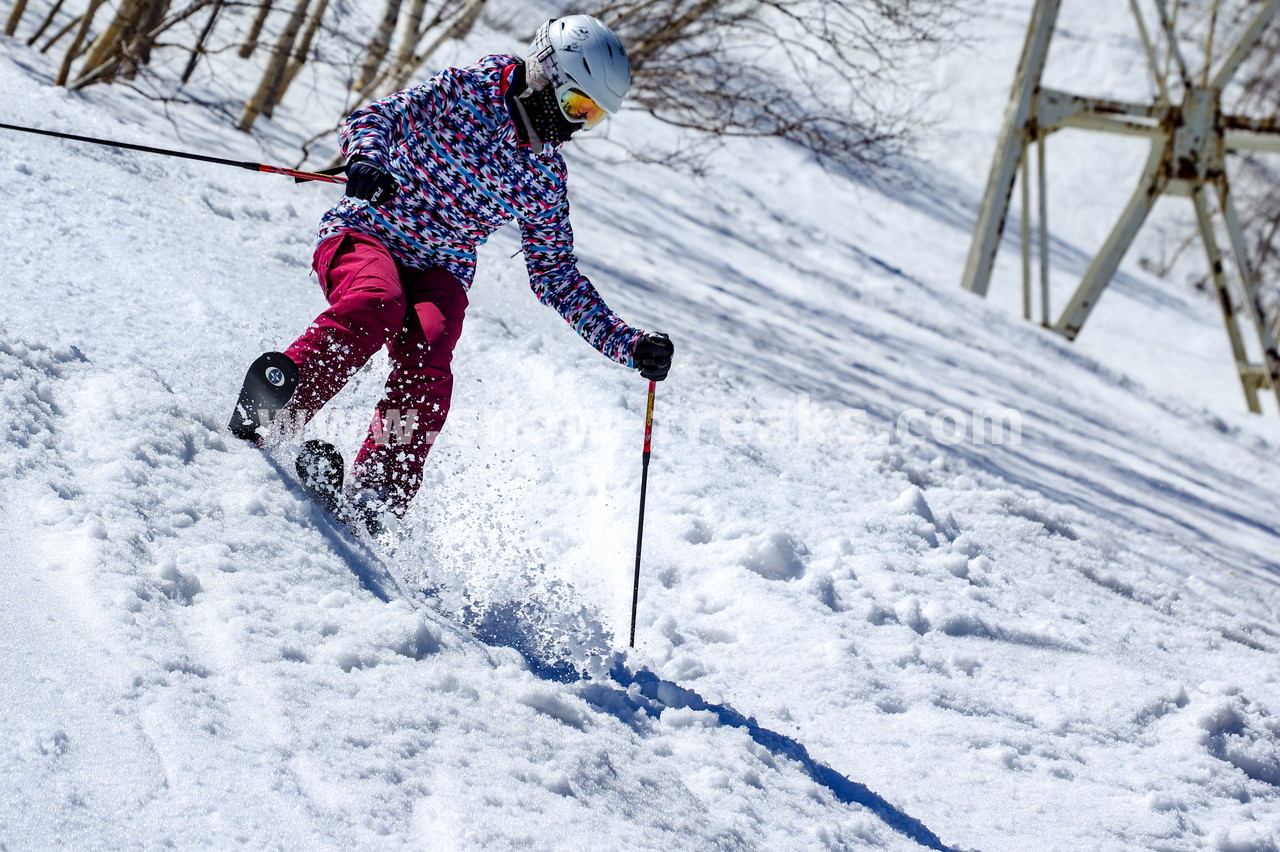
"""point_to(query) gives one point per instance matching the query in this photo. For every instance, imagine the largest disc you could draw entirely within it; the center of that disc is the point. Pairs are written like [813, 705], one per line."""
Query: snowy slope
[855, 631]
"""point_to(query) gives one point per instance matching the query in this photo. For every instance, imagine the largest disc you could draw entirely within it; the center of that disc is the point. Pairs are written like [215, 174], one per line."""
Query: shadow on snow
[628, 693]
[644, 692]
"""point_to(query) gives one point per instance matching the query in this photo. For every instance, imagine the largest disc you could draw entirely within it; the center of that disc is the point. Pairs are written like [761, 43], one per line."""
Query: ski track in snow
[167, 550]
[1063, 643]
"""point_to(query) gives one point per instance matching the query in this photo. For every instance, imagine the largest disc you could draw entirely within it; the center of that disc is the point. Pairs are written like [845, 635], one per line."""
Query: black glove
[370, 183]
[652, 356]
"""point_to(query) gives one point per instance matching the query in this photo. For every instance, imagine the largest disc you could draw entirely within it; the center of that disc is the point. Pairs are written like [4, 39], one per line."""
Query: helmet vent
[563, 46]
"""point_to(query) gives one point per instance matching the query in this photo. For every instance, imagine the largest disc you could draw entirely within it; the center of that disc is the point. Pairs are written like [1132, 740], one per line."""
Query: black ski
[268, 386]
[321, 471]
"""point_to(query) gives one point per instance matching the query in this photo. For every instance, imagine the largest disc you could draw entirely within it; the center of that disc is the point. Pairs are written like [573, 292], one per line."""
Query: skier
[432, 171]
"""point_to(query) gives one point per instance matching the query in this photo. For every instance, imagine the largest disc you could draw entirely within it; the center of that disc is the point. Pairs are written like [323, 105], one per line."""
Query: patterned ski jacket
[451, 144]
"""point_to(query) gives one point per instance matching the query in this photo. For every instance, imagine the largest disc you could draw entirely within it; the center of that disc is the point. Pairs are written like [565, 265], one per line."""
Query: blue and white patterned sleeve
[555, 279]
[407, 114]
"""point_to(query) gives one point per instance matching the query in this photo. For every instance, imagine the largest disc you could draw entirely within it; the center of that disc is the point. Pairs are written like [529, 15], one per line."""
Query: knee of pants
[434, 324]
[431, 338]
[427, 393]
[424, 348]
[378, 313]
[437, 305]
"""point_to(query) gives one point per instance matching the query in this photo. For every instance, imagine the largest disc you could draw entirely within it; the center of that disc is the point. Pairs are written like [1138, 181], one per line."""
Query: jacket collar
[517, 128]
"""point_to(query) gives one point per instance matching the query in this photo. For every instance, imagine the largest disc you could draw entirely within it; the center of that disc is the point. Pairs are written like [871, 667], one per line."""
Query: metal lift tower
[1190, 135]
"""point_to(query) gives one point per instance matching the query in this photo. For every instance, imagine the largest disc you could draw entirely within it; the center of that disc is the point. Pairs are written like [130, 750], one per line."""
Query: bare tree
[255, 31]
[125, 46]
[202, 40]
[304, 47]
[264, 99]
[44, 25]
[77, 44]
[822, 73]
[378, 46]
[15, 17]
[66, 28]
[413, 31]
[446, 27]
[126, 42]
[453, 19]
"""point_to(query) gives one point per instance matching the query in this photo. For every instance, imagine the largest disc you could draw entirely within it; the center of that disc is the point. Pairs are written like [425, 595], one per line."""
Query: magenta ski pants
[417, 314]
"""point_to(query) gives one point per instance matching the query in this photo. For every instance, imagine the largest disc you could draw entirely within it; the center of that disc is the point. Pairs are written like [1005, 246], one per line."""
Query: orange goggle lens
[576, 106]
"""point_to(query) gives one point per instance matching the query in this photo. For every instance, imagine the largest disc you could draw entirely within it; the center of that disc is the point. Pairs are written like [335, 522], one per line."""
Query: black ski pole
[328, 176]
[644, 482]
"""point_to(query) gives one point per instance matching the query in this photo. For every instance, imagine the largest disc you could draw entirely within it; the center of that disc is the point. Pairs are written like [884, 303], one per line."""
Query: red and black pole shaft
[204, 158]
[644, 482]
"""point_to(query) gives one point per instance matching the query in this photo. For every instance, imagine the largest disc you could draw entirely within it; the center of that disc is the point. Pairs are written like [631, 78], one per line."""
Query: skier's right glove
[652, 355]
[370, 183]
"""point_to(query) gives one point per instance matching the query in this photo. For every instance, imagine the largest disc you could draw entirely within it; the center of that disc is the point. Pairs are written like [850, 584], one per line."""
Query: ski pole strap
[186, 155]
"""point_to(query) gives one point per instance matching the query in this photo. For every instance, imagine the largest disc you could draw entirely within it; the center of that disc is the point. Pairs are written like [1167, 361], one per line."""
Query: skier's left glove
[370, 183]
[652, 355]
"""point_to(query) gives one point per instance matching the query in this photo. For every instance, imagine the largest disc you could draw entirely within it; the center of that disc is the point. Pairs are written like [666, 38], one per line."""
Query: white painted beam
[1010, 149]
[1246, 44]
[1107, 261]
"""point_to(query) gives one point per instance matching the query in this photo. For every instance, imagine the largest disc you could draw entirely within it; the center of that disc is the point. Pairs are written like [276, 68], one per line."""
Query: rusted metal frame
[1169, 25]
[1241, 140]
[1152, 59]
[1197, 149]
[1042, 166]
[1010, 149]
[1121, 127]
[1233, 140]
[1251, 125]
[1061, 110]
[1155, 178]
[1249, 280]
[1188, 144]
[1208, 45]
[1246, 44]
[1026, 232]
[1055, 109]
[1247, 371]
[1173, 29]
[1042, 231]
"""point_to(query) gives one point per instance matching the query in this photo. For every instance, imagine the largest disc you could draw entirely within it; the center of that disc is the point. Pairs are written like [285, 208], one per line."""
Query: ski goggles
[578, 107]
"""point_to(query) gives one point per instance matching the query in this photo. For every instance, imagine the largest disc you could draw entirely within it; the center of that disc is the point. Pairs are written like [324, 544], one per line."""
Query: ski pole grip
[648, 419]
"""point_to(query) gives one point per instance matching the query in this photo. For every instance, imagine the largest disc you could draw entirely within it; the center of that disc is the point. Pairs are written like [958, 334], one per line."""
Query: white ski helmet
[584, 63]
